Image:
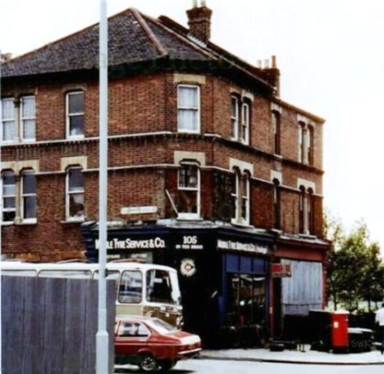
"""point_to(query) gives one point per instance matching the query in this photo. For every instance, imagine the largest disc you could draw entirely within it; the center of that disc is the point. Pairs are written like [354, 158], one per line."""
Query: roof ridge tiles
[152, 37]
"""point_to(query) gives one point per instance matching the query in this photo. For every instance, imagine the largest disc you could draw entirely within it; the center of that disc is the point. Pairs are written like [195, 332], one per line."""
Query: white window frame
[235, 120]
[245, 121]
[68, 115]
[68, 193]
[238, 198]
[22, 119]
[191, 216]
[3, 121]
[23, 196]
[14, 209]
[235, 197]
[198, 109]
[246, 179]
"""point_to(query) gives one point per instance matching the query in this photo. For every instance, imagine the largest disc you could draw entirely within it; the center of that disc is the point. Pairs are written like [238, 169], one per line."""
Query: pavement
[306, 357]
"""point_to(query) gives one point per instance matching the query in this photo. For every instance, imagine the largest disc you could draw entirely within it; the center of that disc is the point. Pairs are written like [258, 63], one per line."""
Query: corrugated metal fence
[49, 325]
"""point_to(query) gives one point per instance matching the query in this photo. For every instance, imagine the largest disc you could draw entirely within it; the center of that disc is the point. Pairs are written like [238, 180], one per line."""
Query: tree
[355, 271]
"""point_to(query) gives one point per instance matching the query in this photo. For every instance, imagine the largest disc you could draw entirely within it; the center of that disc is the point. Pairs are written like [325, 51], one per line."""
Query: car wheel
[167, 365]
[148, 363]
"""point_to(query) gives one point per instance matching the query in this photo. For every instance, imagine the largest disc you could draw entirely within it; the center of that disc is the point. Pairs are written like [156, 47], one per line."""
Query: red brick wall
[149, 104]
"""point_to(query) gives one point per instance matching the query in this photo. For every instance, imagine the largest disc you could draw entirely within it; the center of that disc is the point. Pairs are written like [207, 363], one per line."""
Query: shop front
[223, 274]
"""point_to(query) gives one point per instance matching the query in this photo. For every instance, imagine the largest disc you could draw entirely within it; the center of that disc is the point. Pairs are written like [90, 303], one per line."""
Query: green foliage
[355, 271]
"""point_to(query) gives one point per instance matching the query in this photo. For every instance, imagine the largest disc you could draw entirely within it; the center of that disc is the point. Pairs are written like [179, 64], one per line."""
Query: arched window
[241, 197]
[276, 204]
[310, 145]
[302, 142]
[75, 193]
[302, 210]
[276, 131]
[9, 196]
[245, 122]
[189, 191]
[28, 196]
[310, 212]
[235, 114]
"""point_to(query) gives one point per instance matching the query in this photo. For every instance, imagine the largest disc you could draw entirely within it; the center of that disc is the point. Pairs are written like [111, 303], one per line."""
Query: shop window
[188, 104]
[241, 198]
[9, 196]
[28, 118]
[276, 204]
[276, 128]
[246, 300]
[131, 287]
[75, 194]
[8, 120]
[188, 191]
[75, 114]
[28, 196]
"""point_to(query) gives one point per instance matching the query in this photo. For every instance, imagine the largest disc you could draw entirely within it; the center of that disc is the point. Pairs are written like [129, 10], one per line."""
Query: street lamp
[102, 340]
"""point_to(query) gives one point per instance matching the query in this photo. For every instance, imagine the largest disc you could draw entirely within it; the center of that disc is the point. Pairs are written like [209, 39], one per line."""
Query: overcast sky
[331, 57]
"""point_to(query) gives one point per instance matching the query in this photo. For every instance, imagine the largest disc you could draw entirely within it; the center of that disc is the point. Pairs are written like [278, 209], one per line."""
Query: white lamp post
[102, 343]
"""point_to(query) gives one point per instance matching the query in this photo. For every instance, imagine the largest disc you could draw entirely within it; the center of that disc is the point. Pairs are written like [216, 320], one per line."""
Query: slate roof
[132, 38]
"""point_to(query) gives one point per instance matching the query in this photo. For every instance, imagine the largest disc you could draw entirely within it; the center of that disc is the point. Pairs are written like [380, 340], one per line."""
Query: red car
[152, 343]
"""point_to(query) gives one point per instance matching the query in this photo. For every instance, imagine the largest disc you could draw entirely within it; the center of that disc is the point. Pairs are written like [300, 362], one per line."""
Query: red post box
[339, 331]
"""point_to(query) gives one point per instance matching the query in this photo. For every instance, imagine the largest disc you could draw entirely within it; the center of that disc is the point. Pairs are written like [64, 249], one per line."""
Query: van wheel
[167, 365]
[148, 363]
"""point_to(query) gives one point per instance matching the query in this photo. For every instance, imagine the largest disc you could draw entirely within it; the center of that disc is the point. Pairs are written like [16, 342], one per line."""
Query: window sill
[241, 224]
[27, 222]
[7, 223]
[308, 236]
[188, 131]
[79, 137]
[187, 217]
[69, 221]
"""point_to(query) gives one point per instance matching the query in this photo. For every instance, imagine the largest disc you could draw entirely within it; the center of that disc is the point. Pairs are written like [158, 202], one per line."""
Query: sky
[331, 57]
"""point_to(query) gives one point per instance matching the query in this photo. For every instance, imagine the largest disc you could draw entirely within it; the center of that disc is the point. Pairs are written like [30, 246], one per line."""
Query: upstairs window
[241, 198]
[75, 114]
[8, 120]
[28, 118]
[188, 104]
[310, 145]
[245, 119]
[28, 195]
[75, 194]
[189, 191]
[9, 196]
[276, 132]
[240, 119]
[276, 204]
[306, 211]
[310, 212]
[234, 117]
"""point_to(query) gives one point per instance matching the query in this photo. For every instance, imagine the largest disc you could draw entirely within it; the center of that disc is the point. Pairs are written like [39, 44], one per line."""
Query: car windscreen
[131, 287]
[160, 326]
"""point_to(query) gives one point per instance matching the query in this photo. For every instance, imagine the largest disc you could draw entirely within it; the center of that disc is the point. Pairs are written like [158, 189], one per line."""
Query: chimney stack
[199, 21]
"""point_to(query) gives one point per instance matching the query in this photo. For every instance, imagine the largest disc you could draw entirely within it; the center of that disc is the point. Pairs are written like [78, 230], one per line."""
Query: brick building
[210, 171]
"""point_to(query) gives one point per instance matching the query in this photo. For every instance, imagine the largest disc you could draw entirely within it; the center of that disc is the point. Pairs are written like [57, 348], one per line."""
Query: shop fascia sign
[128, 243]
[245, 247]
[281, 270]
